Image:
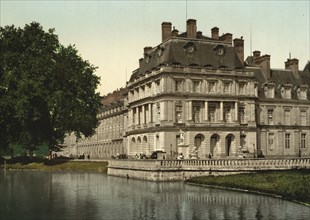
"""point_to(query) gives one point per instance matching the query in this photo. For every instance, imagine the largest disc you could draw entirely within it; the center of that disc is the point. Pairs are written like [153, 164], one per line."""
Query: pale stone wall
[173, 170]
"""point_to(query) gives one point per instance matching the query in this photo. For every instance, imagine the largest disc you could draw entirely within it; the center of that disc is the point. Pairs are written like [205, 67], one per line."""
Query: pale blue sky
[112, 34]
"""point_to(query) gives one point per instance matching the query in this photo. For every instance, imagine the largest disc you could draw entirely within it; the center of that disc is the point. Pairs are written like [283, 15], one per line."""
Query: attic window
[190, 48]
[193, 65]
[147, 58]
[269, 90]
[208, 66]
[223, 67]
[302, 92]
[176, 64]
[159, 51]
[219, 50]
[286, 91]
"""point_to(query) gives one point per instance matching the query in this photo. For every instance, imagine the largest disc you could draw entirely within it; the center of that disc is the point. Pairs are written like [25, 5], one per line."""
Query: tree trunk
[30, 152]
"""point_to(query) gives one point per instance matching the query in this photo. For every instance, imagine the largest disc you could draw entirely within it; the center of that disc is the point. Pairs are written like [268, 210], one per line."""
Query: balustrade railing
[231, 164]
[235, 163]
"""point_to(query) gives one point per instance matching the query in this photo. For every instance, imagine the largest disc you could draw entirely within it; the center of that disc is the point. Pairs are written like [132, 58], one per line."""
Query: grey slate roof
[279, 78]
[175, 51]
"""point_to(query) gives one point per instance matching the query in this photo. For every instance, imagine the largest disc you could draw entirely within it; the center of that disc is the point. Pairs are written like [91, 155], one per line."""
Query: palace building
[199, 96]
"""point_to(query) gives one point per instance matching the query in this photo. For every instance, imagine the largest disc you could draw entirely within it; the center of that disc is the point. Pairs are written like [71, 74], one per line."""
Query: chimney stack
[191, 28]
[215, 33]
[263, 62]
[292, 64]
[265, 65]
[166, 30]
[147, 49]
[239, 49]
[256, 56]
[226, 38]
[199, 34]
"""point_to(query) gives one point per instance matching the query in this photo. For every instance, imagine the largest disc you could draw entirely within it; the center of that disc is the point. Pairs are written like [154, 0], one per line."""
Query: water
[45, 195]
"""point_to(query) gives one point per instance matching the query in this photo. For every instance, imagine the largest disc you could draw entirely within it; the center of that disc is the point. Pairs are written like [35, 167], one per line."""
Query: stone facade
[108, 139]
[196, 95]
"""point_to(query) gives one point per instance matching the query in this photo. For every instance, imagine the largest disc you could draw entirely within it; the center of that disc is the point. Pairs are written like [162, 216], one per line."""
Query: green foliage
[57, 164]
[293, 184]
[46, 89]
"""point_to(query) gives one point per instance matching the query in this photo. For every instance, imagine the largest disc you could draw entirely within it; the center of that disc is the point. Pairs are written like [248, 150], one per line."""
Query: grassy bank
[57, 164]
[292, 184]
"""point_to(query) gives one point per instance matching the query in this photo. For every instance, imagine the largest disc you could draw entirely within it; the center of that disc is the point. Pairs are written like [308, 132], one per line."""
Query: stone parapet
[176, 170]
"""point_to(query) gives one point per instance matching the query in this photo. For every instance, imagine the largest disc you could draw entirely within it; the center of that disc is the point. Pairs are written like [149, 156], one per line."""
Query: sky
[112, 34]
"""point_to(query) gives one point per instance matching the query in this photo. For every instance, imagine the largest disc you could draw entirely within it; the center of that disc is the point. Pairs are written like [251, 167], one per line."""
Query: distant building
[108, 139]
[196, 95]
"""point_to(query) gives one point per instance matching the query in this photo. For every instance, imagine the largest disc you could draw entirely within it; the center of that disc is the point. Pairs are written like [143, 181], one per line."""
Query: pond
[60, 195]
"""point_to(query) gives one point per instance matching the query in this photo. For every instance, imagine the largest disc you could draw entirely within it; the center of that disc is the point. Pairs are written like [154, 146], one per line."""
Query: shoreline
[248, 191]
[291, 185]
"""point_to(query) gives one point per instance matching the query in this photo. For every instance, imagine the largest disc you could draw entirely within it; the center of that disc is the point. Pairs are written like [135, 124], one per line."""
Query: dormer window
[208, 66]
[269, 90]
[193, 65]
[190, 48]
[302, 92]
[286, 91]
[159, 51]
[176, 64]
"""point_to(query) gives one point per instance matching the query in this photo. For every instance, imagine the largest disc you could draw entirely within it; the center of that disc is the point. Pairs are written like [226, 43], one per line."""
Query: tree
[46, 89]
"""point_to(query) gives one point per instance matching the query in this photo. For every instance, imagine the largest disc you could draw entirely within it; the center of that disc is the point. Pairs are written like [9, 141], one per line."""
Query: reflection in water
[43, 195]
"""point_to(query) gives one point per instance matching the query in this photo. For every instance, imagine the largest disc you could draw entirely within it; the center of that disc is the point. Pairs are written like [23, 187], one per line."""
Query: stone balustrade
[165, 170]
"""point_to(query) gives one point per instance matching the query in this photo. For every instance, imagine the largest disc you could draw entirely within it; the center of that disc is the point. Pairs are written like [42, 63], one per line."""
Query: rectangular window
[271, 140]
[134, 112]
[287, 117]
[226, 87]
[242, 88]
[158, 112]
[157, 86]
[303, 118]
[211, 87]
[211, 115]
[303, 141]
[287, 141]
[270, 116]
[241, 115]
[178, 86]
[196, 86]
[196, 114]
[178, 113]
[227, 115]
